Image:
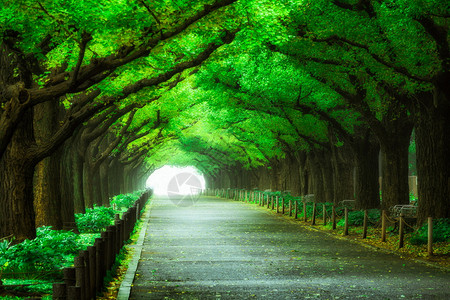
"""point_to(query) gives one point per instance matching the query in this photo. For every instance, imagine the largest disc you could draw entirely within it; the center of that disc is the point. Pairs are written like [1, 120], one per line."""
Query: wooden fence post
[282, 205]
[333, 216]
[100, 263]
[430, 236]
[278, 203]
[59, 291]
[74, 293]
[383, 226]
[313, 219]
[290, 207]
[80, 275]
[295, 209]
[400, 231]
[69, 276]
[272, 203]
[92, 264]
[324, 211]
[365, 224]
[346, 222]
[305, 217]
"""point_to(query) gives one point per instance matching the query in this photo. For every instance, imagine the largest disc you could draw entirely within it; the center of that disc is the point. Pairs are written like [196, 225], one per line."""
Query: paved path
[221, 249]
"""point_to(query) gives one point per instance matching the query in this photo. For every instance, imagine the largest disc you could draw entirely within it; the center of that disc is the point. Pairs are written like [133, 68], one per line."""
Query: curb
[127, 282]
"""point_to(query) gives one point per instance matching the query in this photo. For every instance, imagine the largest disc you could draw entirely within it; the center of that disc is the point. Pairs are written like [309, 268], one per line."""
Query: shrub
[95, 219]
[356, 218]
[124, 201]
[49, 251]
[441, 232]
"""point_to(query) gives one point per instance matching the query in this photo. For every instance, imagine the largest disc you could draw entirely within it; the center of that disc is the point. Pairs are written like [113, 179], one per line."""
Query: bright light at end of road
[170, 180]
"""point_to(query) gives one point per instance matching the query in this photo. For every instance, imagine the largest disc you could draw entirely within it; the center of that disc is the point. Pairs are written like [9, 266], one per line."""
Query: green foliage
[356, 218]
[441, 232]
[122, 201]
[95, 219]
[50, 251]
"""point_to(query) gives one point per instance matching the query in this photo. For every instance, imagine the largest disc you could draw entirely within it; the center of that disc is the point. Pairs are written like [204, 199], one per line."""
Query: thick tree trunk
[17, 217]
[294, 175]
[433, 159]
[395, 187]
[324, 160]
[303, 172]
[343, 166]
[367, 189]
[67, 188]
[317, 178]
[47, 197]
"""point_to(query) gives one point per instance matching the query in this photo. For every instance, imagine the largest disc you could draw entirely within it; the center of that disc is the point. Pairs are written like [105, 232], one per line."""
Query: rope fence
[309, 211]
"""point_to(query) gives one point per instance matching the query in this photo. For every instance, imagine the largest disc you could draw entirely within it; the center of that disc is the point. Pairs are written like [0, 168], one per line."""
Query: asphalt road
[222, 249]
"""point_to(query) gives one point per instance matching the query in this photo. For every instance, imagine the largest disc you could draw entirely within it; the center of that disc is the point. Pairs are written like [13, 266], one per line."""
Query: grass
[441, 251]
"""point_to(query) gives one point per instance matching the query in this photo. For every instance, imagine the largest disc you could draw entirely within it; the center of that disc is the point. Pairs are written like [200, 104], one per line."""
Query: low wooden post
[383, 226]
[430, 236]
[324, 211]
[305, 217]
[271, 203]
[92, 264]
[295, 209]
[268, 202]
[282, 206]
[400, 231]
[87, 274]
[74, 293]
[290, 208]
[278, 203]
[313, 219]
[80, 275]
[365, 224]
[333, 216]
[69, 276]
[346, 222]
[59, 291]
[100, 263]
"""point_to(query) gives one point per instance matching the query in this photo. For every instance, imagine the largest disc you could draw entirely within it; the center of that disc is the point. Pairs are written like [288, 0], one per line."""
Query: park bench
[408, 211]
[308, 198]
[348, 203]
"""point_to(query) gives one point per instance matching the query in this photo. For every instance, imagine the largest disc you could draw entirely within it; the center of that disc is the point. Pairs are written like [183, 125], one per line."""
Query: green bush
[441, 232]
[95, 219]
[49, 251]
[123, 201]
[356, 218]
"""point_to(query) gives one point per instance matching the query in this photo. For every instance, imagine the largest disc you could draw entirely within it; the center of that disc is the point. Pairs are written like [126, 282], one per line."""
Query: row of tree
[72, 78]
[254, 93]
[341, 82]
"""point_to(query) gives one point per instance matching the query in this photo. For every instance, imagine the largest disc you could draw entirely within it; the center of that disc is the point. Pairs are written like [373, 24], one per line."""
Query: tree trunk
[324, 160]
[395, 187]
[67, 188]
[343, 166]
[367, 189]
[17, 215]
[47, 201]
[433, 159]
[317, 178]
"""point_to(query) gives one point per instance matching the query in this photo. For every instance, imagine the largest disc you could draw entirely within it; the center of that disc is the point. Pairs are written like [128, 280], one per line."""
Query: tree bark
[367, 190]
[433, 159]
[47, 197]
[17, 216]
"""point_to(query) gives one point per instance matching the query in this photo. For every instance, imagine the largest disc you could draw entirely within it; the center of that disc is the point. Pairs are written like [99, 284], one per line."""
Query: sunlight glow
[170, 180]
